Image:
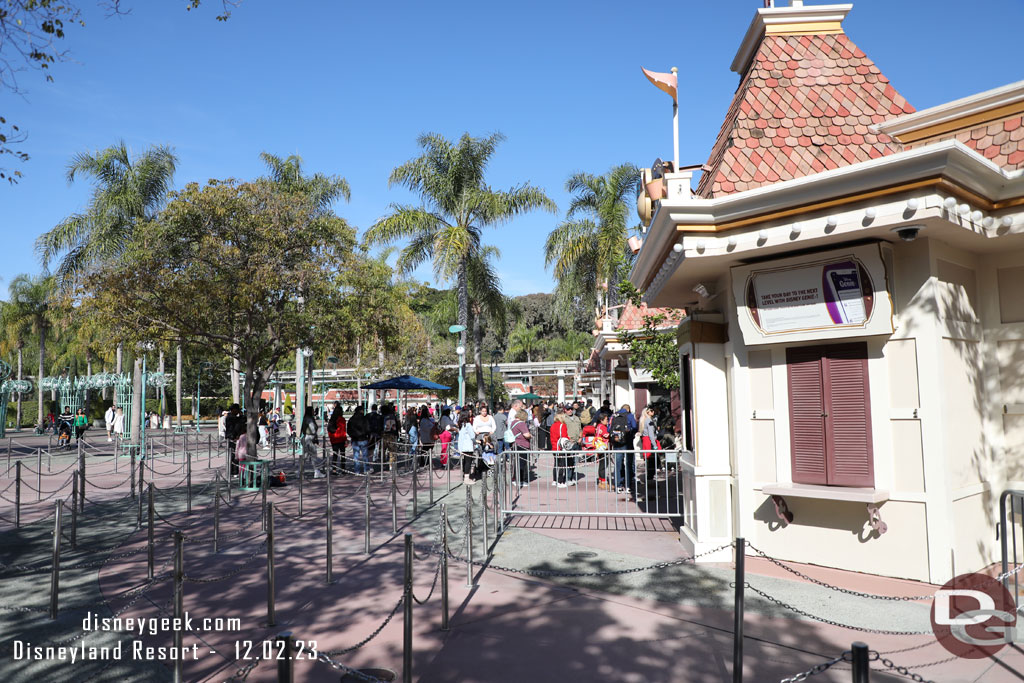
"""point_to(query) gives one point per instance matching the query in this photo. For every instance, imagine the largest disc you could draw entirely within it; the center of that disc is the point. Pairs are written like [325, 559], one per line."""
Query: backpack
[620, 427]
[510, 436]
[391, 424]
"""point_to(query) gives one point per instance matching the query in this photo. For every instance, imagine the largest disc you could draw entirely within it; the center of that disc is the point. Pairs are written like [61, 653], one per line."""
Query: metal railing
[1010, 530]
[608, 483]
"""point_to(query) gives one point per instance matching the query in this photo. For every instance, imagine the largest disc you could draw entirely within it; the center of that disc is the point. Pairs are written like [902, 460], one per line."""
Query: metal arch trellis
[9, 388]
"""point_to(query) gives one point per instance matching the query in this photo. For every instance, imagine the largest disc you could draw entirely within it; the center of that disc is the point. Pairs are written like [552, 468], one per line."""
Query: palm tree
[457, 205]
[524, 341]
[31, 309]
[127, 190]
[486, 302]
[588, 249]
[14, 333]
[324, 190]
[570, 346]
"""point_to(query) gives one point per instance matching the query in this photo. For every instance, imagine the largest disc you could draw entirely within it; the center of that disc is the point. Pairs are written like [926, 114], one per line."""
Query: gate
[1011, 538]
[583, 484]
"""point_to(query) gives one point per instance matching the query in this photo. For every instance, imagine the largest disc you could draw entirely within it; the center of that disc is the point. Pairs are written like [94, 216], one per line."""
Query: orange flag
[666, 82]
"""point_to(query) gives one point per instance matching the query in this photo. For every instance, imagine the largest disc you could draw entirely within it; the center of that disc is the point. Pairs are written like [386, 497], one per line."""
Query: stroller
[64, 435]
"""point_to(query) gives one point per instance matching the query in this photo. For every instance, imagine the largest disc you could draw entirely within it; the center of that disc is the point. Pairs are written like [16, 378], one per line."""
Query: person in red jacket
[560, 442]
[336, 432]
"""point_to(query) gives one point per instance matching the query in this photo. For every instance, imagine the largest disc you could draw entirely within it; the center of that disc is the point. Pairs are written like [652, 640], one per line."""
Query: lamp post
[333, 360]
[461, 351]
[199, 379]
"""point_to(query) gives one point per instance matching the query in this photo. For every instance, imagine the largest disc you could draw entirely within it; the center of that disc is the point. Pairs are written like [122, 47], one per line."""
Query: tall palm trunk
[39, 377]
[117, 368]
[17, 425]
[177, 384]
[463, 301]
[138, 400]
[478, 357]
[163, 407]
[236, 391]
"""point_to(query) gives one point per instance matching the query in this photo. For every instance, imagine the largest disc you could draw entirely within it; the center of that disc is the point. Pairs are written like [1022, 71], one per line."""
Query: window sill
[840, 493]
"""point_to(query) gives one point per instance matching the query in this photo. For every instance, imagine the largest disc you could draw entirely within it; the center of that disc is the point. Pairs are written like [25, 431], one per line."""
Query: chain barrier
[48, 473]
[29, 486]
[233, 573]
[111, 488]
[367, 639]
[338, 666]
[830, 622]
[820, 668]
[244, 672]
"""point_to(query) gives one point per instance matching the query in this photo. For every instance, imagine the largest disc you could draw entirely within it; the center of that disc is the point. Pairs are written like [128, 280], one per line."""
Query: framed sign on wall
[828, 295]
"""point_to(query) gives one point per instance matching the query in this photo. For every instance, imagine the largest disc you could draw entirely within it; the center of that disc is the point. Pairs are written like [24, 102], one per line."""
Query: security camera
[907, 233]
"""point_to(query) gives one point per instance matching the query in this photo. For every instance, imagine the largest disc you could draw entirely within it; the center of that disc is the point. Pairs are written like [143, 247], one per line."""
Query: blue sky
[349, 86]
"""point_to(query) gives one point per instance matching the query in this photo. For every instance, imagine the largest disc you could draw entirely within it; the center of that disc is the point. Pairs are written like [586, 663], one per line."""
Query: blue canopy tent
[405, 383]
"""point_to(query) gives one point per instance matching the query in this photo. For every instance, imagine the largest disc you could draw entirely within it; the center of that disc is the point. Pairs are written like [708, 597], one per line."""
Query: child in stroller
[64, 434]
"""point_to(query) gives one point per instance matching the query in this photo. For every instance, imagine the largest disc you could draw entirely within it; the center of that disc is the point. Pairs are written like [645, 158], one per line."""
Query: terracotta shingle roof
[804, 106]
[1002, 141]
[632, 318]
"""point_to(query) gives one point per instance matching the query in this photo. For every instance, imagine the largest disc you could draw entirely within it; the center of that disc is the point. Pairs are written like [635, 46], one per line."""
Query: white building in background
[855, 276]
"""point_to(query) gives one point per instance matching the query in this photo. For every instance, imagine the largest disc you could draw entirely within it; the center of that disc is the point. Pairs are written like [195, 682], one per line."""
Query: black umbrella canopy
[405, 382]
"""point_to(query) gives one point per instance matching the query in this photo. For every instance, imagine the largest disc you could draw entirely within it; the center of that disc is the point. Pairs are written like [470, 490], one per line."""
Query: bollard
[263, 492]
[81, 482]
[209, 450]
[179, 599]
[55, 573]
[142, 469]
[415, 476]
[216, 511]
[448, 467]
[49, 443]
[132, 478]
[74, 510]
[188, 487]
[39, 475]
[483, 512]
[227, 466]
[499, 480]
[149, 533]
[469, 538]
[394, 498]
[861, 670]
[430, 476]
[444, 567]
[366, 515]
[270, 565]
[17, 494]
[737, 629]
[285, 651]
[407, 609]
[302, 476]
[330, 528]
[10, 444]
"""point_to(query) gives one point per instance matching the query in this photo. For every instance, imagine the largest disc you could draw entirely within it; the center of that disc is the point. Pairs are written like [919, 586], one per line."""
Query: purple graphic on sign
[844, 297]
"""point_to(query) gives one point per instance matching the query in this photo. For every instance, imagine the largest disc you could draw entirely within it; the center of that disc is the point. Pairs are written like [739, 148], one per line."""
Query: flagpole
[675, 125]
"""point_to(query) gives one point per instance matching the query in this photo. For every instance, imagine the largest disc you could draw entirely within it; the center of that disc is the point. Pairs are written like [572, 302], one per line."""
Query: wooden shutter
[848, 424]
[640, 396]
[806, 415]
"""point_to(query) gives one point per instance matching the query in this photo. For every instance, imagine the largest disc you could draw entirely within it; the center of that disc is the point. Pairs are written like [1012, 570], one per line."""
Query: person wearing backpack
[428, 433]
[519, 430]
[623, 425]
[338, 436]
[359, 432]
[500, 425]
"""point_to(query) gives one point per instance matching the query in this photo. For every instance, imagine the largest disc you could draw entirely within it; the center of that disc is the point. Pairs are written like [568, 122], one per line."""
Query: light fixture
[701, 246]
[732, 241]
[762, 236]
[677, 247]
[988, 222]
[1006, 222]
[869, 213]
[794, 231]
[912, 204]
[830, 223]
[460, 350]
[964, 209]
[949, 203]
[307, 352]
[976, 216]
[908, 233]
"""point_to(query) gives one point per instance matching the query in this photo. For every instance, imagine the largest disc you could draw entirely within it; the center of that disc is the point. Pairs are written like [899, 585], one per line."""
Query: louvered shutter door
[850, 461]
[806, 421]
[640, 396]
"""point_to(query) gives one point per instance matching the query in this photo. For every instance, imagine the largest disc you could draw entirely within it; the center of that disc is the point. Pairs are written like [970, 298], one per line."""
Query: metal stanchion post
[149, 533]
[302, 476]
[179, 599]
[444, 567]
[430, 475]
[270, 565]
[227, 465]
[39, 475]
[55, 573]
[483, 512]
[737, 629]
[81, 482]
[263, 491]
[415, 475]
[216, 511]
[469, 537]
[188, 487]
[17, 494]
[330, 527]
[366, 515]
[209, 450]
[142, 470]
[407, 608]
[286, 664]
[74, 510]
[499, 481]
[861, 670]
[132, 477]
[448, 467]
[394, 498]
